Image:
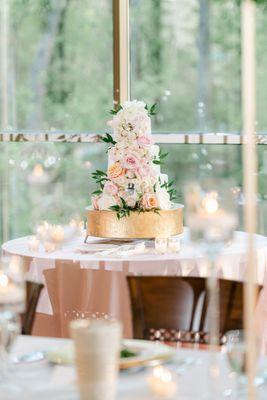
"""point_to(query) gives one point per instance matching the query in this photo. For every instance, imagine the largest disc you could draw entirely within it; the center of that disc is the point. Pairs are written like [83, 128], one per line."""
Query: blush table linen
[89, 285]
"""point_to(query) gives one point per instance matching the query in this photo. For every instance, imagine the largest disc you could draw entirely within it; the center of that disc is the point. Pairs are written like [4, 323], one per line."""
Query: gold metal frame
[121, 56]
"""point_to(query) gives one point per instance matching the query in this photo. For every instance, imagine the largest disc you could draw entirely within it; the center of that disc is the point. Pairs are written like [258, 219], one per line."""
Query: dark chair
[33, 291]
[175, 308]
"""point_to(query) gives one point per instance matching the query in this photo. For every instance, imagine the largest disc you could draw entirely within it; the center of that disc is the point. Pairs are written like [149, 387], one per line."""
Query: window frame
[121, 93]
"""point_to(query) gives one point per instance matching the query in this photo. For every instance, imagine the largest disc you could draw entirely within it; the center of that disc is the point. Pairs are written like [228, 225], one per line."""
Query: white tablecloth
[45, 382]
[85, 285]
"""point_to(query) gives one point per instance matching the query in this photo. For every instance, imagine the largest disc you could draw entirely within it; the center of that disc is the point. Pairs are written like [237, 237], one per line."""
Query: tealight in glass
[161, 245]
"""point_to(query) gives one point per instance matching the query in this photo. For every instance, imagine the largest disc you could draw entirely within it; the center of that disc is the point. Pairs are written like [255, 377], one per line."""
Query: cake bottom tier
[144, 225]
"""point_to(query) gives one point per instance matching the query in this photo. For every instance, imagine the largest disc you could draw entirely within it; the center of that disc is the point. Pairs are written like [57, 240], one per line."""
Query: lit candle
[161, 245]
[214, 222]
[57, 234]
[9, 292]
[49, 247]
[174, 245]
[162, 383]
[43, 230]
[73, 224]
[33, 243]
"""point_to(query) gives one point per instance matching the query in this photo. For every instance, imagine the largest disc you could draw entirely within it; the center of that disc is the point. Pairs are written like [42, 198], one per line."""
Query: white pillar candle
[97, 349]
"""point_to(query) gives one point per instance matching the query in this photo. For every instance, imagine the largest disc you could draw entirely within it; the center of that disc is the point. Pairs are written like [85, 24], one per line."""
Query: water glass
[12, 304]
[236, 352]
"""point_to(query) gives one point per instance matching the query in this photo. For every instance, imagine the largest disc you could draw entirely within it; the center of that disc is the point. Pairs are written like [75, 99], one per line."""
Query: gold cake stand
[144, 225]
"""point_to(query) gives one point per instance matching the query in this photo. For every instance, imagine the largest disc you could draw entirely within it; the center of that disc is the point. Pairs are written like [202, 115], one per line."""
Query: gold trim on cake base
[144, 225]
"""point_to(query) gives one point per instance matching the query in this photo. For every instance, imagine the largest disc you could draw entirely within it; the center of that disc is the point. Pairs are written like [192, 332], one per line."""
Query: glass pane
[52, 182]
[186, 57]
[59, 72]
[45, 181]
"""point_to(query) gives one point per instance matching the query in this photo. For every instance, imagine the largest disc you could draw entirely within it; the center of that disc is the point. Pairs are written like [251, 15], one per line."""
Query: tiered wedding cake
[134, 199]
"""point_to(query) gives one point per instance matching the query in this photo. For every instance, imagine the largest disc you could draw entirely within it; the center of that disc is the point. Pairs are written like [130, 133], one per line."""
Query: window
[60, 67]
[184, 54]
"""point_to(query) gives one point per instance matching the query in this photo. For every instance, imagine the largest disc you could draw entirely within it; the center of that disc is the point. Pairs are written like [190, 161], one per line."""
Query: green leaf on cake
[157, 162]
[108, 139]
[97, 192]
[115, 110]
[152, 110]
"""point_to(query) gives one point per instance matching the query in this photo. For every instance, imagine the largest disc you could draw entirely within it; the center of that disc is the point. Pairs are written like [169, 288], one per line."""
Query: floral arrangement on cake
[133, 181]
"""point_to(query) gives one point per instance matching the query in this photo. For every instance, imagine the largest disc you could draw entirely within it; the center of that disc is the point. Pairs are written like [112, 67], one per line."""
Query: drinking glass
[212, 218]
[236, 353]
[12, 304]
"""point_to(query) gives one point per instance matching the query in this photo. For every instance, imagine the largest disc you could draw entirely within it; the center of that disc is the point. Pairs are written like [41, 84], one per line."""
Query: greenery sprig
[124, 210]
[170, 189]
[115, 111]
[151, 110]
[160, 159]
[100, 177]
[108, 139]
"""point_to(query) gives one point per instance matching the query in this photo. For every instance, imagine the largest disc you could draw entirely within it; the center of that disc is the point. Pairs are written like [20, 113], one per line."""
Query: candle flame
[162, 373]
[210, 203]
[38, 171]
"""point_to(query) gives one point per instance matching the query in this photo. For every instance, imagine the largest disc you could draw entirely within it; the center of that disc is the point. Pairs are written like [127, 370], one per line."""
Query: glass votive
[174, 245]
[33, 243]
[97, 350]
[162, 383]
[161, 245]
[49, 247]
[57, 234]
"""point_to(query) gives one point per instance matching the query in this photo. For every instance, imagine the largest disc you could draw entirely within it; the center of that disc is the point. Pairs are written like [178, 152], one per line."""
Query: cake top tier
[133, 181]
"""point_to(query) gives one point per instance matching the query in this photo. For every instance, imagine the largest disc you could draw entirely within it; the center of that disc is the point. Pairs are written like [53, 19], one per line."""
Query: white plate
[95, 247]
[148, 353]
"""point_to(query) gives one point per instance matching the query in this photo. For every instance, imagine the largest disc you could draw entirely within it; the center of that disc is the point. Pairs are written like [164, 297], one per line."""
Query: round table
[82, 285]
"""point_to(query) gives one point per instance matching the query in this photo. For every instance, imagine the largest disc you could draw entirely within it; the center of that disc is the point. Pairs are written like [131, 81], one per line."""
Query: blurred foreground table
[45, 381]
[79, 285]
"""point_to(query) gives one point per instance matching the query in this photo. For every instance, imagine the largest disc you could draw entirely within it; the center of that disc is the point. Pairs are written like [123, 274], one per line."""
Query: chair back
[33, 291]
[175, 308]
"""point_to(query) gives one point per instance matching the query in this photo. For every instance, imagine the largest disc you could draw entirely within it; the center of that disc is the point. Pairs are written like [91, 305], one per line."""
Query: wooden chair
[175, 308]
[33, 291]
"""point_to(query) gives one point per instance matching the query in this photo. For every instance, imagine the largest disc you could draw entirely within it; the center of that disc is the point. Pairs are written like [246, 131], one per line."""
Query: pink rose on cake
[145, 141]
[110, 188]
[146, 171]
[130, 161]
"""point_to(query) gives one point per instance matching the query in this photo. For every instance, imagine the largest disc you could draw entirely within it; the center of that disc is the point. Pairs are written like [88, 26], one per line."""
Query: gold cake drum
[144, 225]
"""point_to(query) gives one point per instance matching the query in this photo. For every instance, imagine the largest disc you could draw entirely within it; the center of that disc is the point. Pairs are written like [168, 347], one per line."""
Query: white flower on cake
[106, 201]
[163, 198]
[133, 181]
